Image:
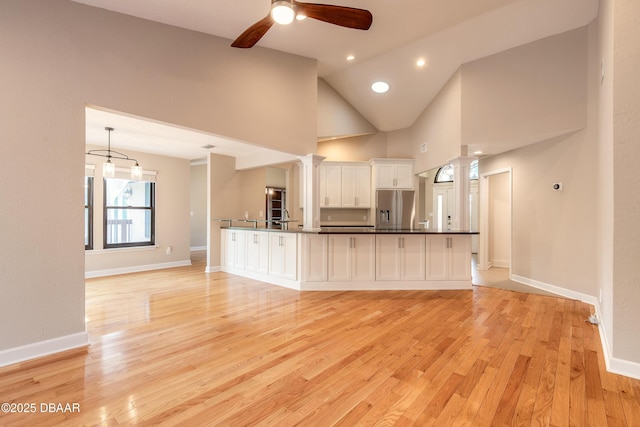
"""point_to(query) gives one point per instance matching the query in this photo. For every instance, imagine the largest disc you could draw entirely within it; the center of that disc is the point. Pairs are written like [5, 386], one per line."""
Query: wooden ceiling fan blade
[349, 17]
[254, 33]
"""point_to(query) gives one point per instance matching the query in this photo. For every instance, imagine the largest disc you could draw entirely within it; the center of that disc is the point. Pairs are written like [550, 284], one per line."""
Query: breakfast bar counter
[350, 258]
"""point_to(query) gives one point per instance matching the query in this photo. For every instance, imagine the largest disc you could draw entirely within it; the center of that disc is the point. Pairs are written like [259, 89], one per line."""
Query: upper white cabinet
[345, 185]
[356, 186]
[330, 186]
[393, 173]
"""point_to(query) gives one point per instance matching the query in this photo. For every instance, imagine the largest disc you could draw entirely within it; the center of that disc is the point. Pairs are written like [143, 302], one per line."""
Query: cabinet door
[257, 252]
[315, 258]
[385, 176]
[339, 257]
[437, 257]
[276, 254]
[330, 186]
[290, 255]
[363, 257]
[356, 186]
[404, 176]
[349, 187]
[283, 255]
[388, 257]
[460, 258]
[413, 257]
[363, 186]
[234, 249]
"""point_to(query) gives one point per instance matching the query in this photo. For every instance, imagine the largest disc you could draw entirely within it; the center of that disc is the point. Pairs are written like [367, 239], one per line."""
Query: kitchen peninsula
[350, 258]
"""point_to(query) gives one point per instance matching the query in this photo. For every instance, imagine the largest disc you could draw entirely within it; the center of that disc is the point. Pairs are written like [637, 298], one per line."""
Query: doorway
[496, 219]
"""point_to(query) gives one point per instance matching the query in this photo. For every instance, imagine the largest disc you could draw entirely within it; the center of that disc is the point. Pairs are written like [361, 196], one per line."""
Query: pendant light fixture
[108, 167]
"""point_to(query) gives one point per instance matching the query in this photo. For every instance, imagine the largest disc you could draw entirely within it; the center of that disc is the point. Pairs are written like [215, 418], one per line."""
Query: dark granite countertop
[359, 230]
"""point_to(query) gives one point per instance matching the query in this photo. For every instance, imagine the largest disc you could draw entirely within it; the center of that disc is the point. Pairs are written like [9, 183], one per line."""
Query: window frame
[89, 192]
[152, 209]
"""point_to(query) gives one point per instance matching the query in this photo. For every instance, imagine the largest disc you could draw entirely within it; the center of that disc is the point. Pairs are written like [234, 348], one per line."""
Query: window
[129, 213]
[88, 212]
[445, 173]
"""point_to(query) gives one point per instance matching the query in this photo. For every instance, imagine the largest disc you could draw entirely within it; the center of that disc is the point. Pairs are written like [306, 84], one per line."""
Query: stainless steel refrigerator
[395, 209]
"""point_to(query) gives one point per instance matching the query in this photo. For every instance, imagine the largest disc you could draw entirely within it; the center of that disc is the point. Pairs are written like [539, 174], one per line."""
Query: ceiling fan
[283, 12]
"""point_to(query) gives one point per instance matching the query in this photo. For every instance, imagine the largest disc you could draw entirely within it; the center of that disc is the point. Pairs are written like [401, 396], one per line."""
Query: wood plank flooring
[181, 347]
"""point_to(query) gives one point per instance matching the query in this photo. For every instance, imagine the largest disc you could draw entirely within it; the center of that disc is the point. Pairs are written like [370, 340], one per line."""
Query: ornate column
[311, 191]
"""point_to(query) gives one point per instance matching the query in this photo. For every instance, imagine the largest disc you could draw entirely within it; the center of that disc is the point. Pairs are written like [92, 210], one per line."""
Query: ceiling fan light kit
[284, 11]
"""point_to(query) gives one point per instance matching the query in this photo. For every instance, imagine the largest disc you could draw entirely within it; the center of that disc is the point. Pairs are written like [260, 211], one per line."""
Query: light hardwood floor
[183, 347]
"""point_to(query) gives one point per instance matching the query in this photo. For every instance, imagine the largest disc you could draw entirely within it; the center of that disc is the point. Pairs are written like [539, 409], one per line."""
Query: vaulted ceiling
[444, 33]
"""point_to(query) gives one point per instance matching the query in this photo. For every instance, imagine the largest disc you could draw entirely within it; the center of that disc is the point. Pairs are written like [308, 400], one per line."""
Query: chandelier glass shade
[109, 167]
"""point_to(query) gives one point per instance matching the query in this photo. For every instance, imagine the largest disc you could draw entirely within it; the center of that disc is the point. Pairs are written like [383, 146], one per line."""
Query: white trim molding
[198, 248]
[43, 348]
[214, 269]
[614, 365]
[135, 269]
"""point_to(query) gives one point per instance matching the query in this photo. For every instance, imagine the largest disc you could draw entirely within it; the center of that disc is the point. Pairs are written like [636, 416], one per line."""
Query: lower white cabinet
[314, 257]
[351, 257]
[234, 248]
[312, 261]
[400, 257]
[283, 255]
[256, 252]
[448, 257]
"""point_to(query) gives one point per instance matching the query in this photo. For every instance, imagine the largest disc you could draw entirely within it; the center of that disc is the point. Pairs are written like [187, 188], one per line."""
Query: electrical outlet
[329, 218]
[169, 250]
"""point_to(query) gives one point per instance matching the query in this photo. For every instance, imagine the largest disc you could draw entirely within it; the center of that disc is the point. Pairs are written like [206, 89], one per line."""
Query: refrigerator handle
[388, 216]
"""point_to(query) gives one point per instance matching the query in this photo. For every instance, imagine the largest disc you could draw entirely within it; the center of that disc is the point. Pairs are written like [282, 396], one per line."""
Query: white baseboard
[197, 248]
[135, 269]
[43, 348]
[213, 269]
[614, 365]
[563, 292]
[500, 263]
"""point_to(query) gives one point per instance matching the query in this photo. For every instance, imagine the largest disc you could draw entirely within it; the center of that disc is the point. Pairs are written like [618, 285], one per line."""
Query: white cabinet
[314, 257]
[330, 186]
[351, 257]
[345, 185]
[392, 175]
[283, 255]
[256, 252]
[448, 257]
[400, 257]
[356, 186]
[233, 248]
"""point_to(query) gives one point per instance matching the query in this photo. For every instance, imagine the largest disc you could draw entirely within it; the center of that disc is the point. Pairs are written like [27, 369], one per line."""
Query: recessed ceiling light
[301, 17]
[380, 87]
[350, 58]
[477, 152]
[208, 146]
[421, 62]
